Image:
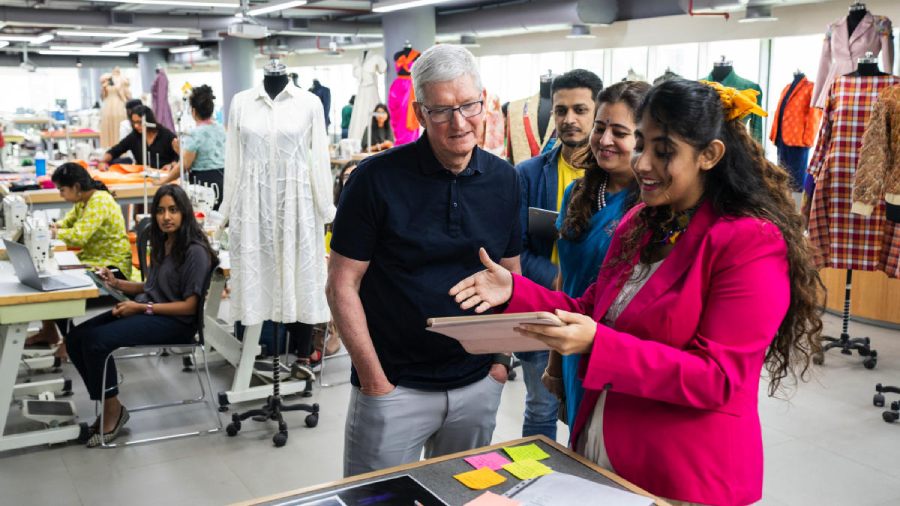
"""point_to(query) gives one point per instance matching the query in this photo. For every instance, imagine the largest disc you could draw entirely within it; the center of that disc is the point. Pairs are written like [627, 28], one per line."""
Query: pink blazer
[683, 364]
[840, 51]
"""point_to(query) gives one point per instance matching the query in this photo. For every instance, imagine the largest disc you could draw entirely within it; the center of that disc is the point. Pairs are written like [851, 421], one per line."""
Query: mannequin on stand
[845, 240]
[528, 123]
[545, 106]
[277, 201]
[723, 72]
[401, 97]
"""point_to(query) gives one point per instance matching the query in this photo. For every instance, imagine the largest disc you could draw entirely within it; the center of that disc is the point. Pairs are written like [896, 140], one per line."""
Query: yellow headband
[738, 104]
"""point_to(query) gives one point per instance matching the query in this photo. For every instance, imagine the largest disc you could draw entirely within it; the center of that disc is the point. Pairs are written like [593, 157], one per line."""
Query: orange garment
[801, 121]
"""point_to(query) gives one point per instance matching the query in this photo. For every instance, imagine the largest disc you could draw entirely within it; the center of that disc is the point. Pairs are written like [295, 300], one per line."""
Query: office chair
[893, 414]
[197, 344]
[274, 406]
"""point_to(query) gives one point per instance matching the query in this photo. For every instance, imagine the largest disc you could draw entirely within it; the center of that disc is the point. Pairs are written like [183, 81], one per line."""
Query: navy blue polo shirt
[420, 227]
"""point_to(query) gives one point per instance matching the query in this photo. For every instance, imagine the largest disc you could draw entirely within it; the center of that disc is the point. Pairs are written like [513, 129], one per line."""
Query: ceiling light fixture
[140, 33]
[758, 14]
[166, 36]
[81, 53]
[232, 4]
[184, 49]
[78, 33]
[121, 42]
[78, 62]
[580, 32]
[276, 7]
[4, 43]
[389, 6]
[40, 39]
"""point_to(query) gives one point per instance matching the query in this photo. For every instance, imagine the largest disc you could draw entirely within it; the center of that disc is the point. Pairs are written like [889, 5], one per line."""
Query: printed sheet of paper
[561, 489]
[480, 479]
[527, 469]
[526, 452]
[491, 499]
[492, 460]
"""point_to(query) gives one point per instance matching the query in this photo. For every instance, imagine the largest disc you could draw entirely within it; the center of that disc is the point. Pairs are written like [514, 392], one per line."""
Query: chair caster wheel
[233, 428]
[818, 358]
[312, 420]
[878, 400]
[895, 406]
[870, 363]
[890, 416]
[280, 438]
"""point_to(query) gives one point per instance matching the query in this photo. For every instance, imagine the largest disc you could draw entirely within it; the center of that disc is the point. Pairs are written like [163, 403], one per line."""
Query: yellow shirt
[565, 174]
[98, 228]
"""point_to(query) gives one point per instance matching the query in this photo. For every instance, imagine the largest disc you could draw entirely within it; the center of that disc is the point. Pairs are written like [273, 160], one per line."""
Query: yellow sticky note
[527, 469]
[526, 452]
[480, 479]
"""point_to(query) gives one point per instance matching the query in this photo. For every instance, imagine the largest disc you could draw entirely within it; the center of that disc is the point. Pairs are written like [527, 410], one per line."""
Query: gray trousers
[392, 429]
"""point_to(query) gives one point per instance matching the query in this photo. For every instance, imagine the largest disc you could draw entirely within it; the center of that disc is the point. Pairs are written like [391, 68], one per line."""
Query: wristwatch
[502, 359]
[149, 310]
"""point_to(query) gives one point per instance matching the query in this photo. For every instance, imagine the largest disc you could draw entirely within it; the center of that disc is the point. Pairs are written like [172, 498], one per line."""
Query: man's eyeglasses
[445, 114]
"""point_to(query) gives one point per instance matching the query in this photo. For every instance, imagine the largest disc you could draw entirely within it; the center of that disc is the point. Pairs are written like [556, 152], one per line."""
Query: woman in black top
[160, 151]
[164, 309]
[382, 134]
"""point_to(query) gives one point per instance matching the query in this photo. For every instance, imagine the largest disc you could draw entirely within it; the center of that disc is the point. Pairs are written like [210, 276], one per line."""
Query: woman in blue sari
[592, 207]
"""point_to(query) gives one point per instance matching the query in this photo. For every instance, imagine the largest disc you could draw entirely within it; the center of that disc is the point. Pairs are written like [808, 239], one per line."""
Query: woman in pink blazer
[705, 282]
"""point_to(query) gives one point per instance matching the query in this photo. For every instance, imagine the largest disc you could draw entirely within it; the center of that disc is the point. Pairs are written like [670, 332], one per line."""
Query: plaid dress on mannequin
[844, 240]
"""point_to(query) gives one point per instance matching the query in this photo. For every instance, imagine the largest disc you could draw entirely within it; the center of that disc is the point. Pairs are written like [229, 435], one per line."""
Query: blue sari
[580, 262]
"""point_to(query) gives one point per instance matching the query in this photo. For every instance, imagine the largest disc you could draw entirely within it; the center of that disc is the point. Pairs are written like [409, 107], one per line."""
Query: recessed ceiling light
[81, 53]
[391, 6]
[184, 49]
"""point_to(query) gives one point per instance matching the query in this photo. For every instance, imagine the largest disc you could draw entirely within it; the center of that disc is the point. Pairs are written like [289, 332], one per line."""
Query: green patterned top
[208, 143]
[98, 228]
[736, 81]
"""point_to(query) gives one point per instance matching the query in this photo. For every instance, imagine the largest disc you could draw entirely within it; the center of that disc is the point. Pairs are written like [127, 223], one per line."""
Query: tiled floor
[826, 445]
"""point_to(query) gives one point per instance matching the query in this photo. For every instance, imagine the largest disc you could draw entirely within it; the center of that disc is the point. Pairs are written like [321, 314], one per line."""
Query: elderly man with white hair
[409, 225]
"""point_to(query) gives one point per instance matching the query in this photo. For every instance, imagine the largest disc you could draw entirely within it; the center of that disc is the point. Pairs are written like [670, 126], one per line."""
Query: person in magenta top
[706, 281]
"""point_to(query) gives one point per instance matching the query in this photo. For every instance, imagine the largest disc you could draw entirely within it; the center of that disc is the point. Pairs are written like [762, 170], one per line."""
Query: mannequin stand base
[273, 411]
[847, 344]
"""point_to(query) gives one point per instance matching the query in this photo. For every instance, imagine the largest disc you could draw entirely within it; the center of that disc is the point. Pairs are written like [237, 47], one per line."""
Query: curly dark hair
[203, 101]
[743, 184]
[583, 202]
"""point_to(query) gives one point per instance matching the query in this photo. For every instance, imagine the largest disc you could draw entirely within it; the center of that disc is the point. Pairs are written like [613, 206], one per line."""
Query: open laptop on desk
[28, 274]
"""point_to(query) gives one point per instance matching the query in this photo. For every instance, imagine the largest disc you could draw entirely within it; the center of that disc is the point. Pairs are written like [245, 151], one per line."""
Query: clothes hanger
[723, 62]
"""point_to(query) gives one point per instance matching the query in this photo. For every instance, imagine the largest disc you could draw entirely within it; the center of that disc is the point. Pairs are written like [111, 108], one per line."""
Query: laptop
[28, 274]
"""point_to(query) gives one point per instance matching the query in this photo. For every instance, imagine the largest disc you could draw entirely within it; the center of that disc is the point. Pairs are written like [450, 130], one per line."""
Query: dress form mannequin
[721, 69]
[275, 77]
[867, 67]
[545, 106]
[857, 12]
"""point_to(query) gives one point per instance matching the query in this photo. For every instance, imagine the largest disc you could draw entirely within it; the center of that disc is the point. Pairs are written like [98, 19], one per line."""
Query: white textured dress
[278, 199]
[368, 70]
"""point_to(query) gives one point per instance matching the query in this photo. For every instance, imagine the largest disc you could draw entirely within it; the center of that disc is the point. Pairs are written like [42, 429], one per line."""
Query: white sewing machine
[203, 198]
[37, 240]
[15, 210]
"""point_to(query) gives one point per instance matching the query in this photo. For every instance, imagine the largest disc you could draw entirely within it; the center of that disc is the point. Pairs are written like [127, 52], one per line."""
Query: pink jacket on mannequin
[840, 50]
[683, 363]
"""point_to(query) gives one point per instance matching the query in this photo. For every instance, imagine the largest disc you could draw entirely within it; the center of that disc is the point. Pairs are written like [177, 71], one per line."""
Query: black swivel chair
[199, 343]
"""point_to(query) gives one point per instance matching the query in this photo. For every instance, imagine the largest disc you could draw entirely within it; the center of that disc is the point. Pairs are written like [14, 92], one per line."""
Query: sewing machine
[203, 198]
[37, 239]
[15, 210]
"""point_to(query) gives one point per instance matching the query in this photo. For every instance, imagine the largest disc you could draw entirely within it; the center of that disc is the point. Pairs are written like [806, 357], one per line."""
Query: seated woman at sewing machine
[204, 149]
[163, 310]
[95, 225]
[160, 154]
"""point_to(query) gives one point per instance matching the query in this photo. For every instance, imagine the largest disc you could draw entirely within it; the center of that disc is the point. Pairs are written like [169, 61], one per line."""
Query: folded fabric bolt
[526, 452]
[492, 460]
[480, 479]
[527, 469]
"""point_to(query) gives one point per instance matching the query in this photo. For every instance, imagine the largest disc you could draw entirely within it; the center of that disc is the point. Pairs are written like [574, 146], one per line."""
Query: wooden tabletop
[13, 293]
[60, 134]
[423, 463]
[120, 191]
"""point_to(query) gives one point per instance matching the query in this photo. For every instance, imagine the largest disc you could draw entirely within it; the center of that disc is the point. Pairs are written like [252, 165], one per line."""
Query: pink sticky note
[493, 460]
[492, 499]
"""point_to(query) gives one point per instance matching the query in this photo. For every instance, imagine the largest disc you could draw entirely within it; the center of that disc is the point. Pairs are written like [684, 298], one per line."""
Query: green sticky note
[526, 452]
[527, 469]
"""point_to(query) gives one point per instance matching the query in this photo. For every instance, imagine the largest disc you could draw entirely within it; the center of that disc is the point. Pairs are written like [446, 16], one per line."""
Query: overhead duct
[528, 16]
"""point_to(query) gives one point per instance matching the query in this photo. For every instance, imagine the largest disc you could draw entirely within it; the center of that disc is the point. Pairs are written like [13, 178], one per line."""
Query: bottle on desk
[40, 164]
